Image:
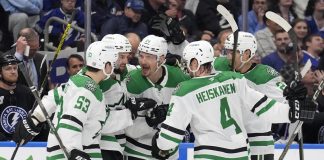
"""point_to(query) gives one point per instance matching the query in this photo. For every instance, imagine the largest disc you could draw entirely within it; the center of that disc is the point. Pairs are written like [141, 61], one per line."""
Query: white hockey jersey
[79, 118]
[266, 80]
[213, 106]
[139, 135]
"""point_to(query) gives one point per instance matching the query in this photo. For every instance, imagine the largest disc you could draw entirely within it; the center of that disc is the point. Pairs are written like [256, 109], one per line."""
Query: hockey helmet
[154, 45]
[120, 42]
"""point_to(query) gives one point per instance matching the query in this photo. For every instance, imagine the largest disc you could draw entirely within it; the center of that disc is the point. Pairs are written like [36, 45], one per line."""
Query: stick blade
[228, 16]
[279, 20]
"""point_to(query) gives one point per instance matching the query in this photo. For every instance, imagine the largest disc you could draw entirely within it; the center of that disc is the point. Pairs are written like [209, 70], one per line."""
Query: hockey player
[261, 78]
[82, 113]
[112, 145]
[15, 99]
[55, 98]
[213, 106]
[156, 81]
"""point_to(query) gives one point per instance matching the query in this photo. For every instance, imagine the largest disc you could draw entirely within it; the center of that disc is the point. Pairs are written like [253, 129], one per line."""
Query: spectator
[129, 22]
[300, 7]
[301, 30]
[48, 5]
[153, 8]
[134, 40]
[282, 55]
[185, 17]
[208, 18]
[34, 62]
[57, 29]
[255, 20]
[23, 13]
[313, 49]
[219, 46]
[315, 16]
[102, 10]
[265, 38]
[16, 99]
[285, 8]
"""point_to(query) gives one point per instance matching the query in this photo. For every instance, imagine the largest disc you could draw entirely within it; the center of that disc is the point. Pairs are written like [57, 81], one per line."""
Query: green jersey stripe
[55, 157]
[261, 143]
[67, 126]
[206, 156]
[108, 138]
[131, 151]
[170, 138]
[266, 108]
[95, 155]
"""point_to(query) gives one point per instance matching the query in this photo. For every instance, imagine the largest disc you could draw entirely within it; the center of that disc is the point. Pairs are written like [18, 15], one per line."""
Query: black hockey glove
[156, 115]
[79, 155]
[297, 92]
[139, 104]
[295, 88]
[156, 152]
[303, 110]
[169, 27]
[26, 130]
[173, 60]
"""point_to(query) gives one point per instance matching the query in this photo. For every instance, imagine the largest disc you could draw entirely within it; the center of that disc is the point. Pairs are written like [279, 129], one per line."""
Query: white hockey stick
[287, 27]
[230, 19]
[40, 103]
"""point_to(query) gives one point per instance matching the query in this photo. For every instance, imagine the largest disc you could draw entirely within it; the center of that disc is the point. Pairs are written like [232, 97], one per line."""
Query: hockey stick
[230, 19]
[57, 52]
[40, 103]
[287, 27]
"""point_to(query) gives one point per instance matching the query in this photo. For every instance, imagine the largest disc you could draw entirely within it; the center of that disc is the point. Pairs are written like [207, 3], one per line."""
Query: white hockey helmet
[246, 41]
[99, 53]
[200, 50]
[120, 42]
[154, 45]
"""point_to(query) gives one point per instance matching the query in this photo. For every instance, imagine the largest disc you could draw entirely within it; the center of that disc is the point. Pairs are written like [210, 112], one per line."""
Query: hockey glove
[156, 115]
[297, 92]
[169, 27]
[79, 155]
[156, 152]
[139, 104]
[303, 110]
[173, 60]
[26, 130]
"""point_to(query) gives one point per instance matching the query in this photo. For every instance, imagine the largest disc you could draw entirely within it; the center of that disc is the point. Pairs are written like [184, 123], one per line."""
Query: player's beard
[10, 80]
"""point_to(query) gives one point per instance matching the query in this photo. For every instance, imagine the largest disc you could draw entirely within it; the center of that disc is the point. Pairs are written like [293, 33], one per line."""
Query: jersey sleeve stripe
[72, 118]
[55, 157]
[54, 148]
[92, 146]
[56, 96]
[108, 138]
[170, 138]
[261, 143]
[67, 126]
[95, 155]
[172, 129]
[131, 151]
[266, 108]
[220, 149]
[259, 134]
[262, 100]
[141, 145]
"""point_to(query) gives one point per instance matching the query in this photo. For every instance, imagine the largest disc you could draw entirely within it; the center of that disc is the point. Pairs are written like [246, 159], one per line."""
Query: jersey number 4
[83, 104]
[226, 119]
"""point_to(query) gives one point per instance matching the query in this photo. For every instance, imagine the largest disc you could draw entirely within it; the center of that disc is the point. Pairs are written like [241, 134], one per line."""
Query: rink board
[37, 151]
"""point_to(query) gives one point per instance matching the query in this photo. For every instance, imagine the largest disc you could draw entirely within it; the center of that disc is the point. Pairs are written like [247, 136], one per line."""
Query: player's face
[148, 63]
[75, 66]
[122, 60]
[237, 61]
[10, 73]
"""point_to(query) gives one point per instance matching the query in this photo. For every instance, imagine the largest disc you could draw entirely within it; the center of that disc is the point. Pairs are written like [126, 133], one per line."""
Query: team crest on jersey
[90, 85]
[272, 72]
[127, 79]
[10, 116]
